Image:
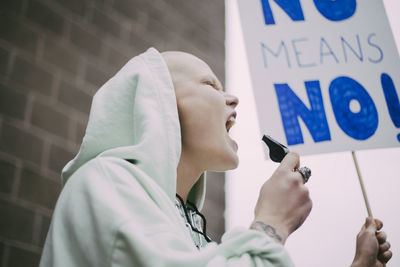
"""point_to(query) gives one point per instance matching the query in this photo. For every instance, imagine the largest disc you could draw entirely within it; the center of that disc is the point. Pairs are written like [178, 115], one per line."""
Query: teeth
[230, 123]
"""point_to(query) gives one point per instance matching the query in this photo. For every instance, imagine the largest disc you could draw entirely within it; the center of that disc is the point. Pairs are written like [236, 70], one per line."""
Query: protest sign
[325, 74]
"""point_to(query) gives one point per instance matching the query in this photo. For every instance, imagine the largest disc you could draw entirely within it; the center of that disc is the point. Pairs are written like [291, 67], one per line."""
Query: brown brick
[31, 76]
[12, 102]
[61, 56]
[80, 132]
[96, 76]
[59, 157]
[161, 23]
[7, 171]
[45, 17]
[138, 43]
[128, 8]
[116, 58]
[73, 97]
[19, 257]
[86, 40]
[50, 119]
[4, 57]
[79, 7]
[2, 248]
[197, 36]
[191, 11]
[44, 230]
[20, 143]
[38, 190]
[105, 23]
[13, 5]
[16, 222]
[17, 33]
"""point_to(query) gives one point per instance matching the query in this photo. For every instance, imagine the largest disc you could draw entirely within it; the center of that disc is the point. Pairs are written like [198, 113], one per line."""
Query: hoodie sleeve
[239, 247]
[111, 214]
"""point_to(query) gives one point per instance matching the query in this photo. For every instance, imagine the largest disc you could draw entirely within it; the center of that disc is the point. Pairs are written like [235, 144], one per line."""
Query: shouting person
[132, 195]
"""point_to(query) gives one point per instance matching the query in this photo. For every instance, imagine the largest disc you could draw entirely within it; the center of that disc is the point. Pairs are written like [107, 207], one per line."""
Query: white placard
[325, 74]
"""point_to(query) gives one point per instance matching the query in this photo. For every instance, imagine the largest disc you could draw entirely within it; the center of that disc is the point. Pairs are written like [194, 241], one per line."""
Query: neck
[187, 175]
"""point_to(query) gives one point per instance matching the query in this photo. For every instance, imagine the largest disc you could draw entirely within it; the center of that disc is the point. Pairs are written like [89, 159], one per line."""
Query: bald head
[184, 67]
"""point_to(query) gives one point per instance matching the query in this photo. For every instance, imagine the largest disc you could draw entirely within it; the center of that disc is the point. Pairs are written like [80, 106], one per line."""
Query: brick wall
[54, 55]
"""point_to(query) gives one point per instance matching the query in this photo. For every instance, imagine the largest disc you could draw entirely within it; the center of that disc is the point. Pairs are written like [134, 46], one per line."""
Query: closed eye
[212, 84]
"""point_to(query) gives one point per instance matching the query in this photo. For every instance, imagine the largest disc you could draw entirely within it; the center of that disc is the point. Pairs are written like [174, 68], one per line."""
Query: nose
[231, 100]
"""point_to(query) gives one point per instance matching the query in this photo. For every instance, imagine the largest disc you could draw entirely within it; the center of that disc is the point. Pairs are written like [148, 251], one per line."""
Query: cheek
[201, 115]
[203, 130]
[204, 134]
[200, 130]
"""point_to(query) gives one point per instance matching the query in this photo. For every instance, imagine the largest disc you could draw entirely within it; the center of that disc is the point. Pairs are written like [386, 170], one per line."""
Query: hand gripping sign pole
[364, 192]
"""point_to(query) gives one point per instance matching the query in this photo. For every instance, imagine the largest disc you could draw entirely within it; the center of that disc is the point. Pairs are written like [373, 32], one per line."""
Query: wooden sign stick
[364, 192]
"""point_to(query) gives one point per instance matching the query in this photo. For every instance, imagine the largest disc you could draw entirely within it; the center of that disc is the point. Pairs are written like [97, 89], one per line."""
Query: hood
[134, 116]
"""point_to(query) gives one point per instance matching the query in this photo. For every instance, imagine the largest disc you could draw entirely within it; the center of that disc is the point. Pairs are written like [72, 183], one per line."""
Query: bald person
[132, 195]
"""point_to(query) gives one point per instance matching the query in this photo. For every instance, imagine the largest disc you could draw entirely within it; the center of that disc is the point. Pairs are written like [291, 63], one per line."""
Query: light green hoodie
[112, 212]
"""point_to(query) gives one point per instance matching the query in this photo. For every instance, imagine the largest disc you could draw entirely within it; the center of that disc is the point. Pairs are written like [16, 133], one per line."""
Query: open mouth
[231, 121]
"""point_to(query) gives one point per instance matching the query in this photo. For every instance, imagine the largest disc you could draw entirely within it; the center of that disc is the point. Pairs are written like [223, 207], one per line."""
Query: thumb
[370, 225]
[290, 161]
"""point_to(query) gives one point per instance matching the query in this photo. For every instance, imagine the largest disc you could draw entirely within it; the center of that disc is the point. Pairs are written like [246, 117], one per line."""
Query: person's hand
[372, 248]
[284, 202]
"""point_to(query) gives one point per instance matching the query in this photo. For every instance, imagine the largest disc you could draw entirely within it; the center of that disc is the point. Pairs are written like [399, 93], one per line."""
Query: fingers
[385, 256]
[297, 179]
[381, 236]
[379, 224]
[290, 162]
[369, 236]
[384, 247]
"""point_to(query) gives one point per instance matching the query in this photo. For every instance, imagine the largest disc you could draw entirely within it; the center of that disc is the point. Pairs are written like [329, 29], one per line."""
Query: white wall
[327, 238]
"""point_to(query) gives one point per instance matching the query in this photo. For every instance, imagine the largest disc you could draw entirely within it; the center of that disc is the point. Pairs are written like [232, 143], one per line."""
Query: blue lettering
[323, 44]
[291, 107]
[360, 125]
[336, 10]
[380, 58]
[291, 7]
[298, 53]
[392, 100]
[345, 43]
[281, 46]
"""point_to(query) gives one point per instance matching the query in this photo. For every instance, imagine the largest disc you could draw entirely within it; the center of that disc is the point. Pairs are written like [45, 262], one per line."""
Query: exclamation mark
[392, 100]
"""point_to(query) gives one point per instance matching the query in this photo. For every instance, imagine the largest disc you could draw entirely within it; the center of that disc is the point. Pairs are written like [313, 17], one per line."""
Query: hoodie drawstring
[193, 207]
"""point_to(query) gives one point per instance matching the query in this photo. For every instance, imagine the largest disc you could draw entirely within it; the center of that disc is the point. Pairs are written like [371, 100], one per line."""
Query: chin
[226, 163]
[235, 163]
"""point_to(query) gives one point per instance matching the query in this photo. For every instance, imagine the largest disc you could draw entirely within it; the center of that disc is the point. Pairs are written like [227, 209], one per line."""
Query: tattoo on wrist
[266, 228]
